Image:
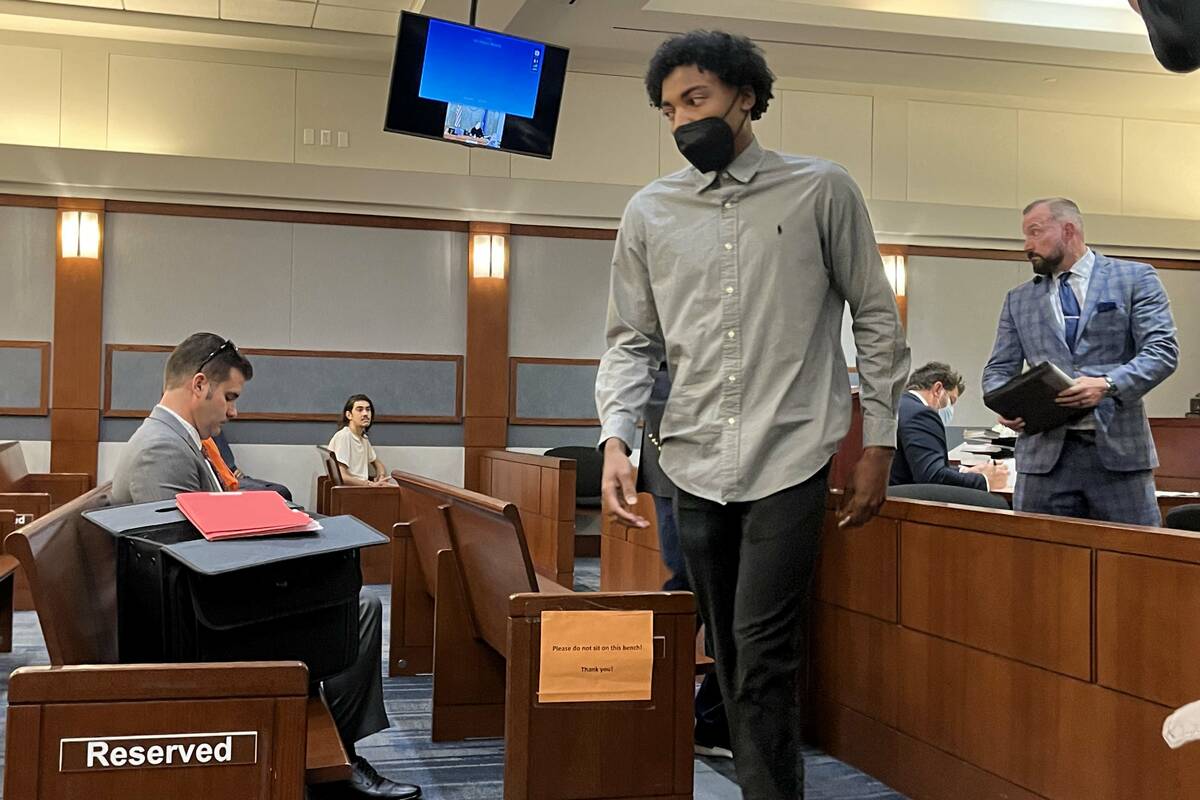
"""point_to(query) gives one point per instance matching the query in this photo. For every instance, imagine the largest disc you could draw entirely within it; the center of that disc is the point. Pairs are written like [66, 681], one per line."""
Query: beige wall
[227, 126]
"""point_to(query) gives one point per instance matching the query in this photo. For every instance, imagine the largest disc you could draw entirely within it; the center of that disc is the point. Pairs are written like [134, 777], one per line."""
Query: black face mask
[708, 143]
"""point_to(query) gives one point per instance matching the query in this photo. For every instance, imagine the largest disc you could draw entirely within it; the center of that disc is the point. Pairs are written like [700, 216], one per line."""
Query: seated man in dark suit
[244, 481]
[925, 411]
[203, 379]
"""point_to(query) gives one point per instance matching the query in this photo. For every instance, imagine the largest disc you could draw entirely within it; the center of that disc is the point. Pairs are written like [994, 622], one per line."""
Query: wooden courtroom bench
[71, 566]
[965, 652]
[418, 540]
[543, 490]
[488, 601]
[378, 506]
[28, 496]
[630, 557]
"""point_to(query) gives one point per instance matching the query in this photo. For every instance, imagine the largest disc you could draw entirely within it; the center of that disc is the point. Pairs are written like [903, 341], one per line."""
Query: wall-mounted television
[475, 87]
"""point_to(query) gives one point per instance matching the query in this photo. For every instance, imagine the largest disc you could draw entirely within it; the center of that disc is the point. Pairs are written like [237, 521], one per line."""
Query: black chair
[589, 466]
[938, 493]
[1184, 518]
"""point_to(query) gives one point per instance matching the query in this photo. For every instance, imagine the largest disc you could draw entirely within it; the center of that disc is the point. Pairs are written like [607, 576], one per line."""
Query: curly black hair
[736, 60]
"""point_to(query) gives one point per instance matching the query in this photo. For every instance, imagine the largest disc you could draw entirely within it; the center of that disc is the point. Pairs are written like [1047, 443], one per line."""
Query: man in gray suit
[202, 382]
[1107, 323]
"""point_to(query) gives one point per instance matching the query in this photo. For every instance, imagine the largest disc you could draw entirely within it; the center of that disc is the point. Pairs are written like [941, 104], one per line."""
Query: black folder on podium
[1030, 396]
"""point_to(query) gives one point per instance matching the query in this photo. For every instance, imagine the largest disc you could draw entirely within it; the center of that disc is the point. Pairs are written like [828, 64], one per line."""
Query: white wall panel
[1162, 169]
[37, 455]
[1070, 155]
[1171, 397]
[832, 126]
[168, 277]
[965, 155]
[27, 273]
[379, 289]
[558, 297]
[195, 108]
[953, 307]
[355, 104]
[607, 133]
[30, 83]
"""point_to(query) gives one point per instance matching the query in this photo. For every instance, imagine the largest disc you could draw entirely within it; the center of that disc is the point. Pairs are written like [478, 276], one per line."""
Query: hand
[1017, 424]
[867, 488]
[618, 494]
[1086, 392]
[996, 473]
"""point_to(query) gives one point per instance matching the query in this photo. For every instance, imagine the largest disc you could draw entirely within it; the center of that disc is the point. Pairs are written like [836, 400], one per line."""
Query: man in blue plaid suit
[1107, 323]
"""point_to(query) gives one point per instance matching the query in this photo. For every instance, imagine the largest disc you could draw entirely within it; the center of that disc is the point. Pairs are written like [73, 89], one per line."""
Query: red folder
[226, 515]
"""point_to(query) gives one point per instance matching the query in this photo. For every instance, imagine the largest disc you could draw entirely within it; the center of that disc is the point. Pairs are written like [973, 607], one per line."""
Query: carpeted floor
[474, 769]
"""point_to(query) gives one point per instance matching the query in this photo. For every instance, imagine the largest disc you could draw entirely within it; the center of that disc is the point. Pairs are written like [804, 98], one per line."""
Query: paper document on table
[1011, 463]
[967, 457]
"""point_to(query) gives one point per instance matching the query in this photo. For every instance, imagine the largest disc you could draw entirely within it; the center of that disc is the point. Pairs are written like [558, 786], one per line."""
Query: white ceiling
[378, 17]
[1085, 51]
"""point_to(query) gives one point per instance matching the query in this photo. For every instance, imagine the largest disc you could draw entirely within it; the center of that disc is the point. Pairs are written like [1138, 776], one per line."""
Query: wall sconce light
[896, 270]
[80, 234]
[489, 256]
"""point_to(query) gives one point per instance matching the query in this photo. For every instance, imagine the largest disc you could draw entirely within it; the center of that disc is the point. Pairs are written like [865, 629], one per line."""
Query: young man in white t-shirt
[356, 457]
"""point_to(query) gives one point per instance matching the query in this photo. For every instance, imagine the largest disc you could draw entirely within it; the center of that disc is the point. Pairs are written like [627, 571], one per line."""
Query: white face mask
[946, 412]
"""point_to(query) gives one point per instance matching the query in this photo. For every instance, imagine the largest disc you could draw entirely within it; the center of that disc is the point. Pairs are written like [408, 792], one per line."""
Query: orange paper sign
[590, 656]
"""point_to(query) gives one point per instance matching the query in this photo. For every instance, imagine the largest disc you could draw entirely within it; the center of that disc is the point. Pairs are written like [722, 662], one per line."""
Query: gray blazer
[160, 461]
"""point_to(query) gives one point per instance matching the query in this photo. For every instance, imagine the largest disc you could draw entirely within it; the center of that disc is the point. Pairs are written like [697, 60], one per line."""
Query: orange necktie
[223, 472]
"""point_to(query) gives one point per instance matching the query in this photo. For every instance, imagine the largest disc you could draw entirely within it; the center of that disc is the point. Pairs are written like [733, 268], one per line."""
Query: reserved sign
[96, 753]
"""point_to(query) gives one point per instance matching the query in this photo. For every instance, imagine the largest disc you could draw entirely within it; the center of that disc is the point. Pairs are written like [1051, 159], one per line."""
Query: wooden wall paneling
[78, 308]
[1054, 735]
[1177, 440]
[284, 215]
[856, 661]
[43, 406]
[850, 449]
[487, 357]
[908, 765]
[858, 567]
[1147, 639]
[1027, 600]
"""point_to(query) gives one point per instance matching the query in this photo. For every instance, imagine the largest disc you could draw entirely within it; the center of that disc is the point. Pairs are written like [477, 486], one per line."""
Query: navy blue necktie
[1070, 309]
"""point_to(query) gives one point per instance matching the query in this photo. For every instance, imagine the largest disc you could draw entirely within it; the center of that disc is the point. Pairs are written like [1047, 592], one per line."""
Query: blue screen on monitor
[481, 69]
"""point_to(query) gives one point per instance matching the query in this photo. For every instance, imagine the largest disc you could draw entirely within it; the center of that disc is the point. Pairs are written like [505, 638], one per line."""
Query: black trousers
[751, 566]
[355, 695]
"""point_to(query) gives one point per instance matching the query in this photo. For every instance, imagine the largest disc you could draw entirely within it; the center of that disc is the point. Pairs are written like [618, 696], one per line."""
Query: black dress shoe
[366, 782]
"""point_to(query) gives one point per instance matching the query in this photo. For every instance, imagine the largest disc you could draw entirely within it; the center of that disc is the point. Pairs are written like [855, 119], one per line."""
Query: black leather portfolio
[1030, 396]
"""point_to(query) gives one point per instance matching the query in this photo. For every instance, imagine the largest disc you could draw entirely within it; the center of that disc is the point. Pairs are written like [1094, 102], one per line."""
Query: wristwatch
[1112, 387]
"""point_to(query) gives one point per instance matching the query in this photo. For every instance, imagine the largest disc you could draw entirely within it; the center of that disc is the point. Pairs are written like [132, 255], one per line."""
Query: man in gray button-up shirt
[736, 271]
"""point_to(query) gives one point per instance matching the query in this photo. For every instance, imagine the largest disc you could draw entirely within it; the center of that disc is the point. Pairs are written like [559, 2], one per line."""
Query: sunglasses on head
[227, 345]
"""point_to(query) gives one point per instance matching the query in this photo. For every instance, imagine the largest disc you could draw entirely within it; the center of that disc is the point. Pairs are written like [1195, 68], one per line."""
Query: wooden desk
[971, 653]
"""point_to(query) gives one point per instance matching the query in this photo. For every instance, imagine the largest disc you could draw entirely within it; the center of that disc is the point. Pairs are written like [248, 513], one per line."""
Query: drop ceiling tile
[394, 6]
[182, 8]
[271, 12]
[90, 3]
[340, 18]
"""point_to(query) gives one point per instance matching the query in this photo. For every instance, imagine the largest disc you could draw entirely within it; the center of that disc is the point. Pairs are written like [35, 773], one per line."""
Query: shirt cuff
[620, 426]
[879, 432]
